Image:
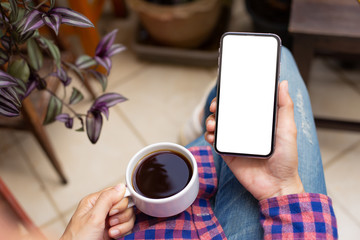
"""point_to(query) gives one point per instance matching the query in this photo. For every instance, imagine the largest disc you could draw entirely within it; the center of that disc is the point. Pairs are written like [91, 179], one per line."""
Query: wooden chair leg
[38, 130]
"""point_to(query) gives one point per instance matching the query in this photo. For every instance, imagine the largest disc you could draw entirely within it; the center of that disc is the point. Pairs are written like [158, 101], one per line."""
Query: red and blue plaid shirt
[293, 216]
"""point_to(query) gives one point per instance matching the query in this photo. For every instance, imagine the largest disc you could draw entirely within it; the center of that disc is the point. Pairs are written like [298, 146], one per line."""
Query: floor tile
[6, 139]
[53, 230]
[330, 95]
[334, 99]
[348, 227]
[89, 167]
[334, 142]
[126, 66]
[343, 179]
[25, 186]
[162, 98]
[67, 215]
[350, 75]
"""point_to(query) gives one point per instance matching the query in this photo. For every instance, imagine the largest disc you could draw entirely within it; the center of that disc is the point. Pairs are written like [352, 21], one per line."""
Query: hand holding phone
[278, 175]
[247, 94]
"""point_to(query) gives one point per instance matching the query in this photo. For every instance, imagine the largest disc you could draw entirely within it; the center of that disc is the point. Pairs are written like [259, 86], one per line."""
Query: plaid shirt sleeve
[298, 216]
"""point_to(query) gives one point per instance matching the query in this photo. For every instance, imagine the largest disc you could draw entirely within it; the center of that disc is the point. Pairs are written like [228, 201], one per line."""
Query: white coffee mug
[163, 207]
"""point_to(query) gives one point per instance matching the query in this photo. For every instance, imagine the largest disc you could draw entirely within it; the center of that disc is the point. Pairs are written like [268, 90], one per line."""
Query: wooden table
[325, 26]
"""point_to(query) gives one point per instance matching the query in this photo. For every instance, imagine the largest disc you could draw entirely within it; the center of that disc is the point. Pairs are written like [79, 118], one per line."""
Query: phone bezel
[275, 94]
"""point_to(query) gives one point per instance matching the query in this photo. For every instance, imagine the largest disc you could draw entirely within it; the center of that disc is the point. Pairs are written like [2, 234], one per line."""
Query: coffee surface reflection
[162, 174]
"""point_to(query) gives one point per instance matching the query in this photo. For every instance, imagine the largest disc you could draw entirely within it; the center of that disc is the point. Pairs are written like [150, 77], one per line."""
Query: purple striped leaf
[85, 61]
[8, 106]
[33, 21]
[105, 62]
[9, 102]
[71, 17]
[104, 110]
[63, 76]
[8, 111]
[9, 95]
[31, 86]
[76, 96]
[115, 49]
[75, 69]
[65, 118]
[54, 108]
[53, 21]
[94, 123]
[4, 57]
[100, 77]
[105, 43]
[6, 80]
[6, 42]
[109, 100]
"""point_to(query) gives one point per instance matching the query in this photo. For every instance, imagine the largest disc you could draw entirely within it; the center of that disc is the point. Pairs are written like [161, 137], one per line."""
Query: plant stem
[65, 104]
[41, 4]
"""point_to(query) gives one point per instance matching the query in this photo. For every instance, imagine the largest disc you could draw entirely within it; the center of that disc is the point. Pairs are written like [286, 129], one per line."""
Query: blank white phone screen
[248, 78]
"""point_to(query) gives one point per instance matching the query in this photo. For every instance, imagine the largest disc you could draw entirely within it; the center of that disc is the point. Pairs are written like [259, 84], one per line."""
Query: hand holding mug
[101, 215]
[278, 175]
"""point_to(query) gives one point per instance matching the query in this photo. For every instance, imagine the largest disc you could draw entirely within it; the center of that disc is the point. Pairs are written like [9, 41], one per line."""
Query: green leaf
[75, 69]
[19, 69]
[20, 15]
[14, 10]
[54, 108]
[100, 77]
[81, 129]
[76, 96]
[53, 49]
[85, 61]
[52, 3]
[6, 5]
[35, 55]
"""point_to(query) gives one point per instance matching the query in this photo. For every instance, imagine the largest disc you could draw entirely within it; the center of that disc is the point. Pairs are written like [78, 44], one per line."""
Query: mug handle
[128, 195]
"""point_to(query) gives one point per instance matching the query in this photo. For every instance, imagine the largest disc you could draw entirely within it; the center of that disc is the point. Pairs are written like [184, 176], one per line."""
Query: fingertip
[120, 187]
[285, 85]
[114, 232]
[284, 96]
[209, 137]
[210, 125]
[212, 107]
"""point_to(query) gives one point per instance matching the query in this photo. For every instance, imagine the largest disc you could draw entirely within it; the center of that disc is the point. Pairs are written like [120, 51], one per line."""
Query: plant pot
[185, 25]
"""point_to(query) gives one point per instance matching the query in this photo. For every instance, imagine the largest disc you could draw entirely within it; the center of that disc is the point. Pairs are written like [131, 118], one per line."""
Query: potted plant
[178, 23]
[23, 70]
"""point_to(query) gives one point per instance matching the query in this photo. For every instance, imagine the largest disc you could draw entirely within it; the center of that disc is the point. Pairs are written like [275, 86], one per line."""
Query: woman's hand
[102, 215]
[278, 175]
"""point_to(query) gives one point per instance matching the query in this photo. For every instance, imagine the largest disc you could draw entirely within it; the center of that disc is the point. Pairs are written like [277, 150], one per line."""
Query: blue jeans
[236, 209]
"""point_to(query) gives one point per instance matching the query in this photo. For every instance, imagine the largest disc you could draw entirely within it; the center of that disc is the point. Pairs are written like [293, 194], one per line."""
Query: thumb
[286, 108]
[106, 200]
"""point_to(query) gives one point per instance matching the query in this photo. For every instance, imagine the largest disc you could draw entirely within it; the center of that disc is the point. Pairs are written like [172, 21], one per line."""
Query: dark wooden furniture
[325, 26]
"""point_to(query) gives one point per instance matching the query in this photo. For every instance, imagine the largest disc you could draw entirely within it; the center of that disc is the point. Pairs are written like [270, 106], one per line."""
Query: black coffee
[162, 174]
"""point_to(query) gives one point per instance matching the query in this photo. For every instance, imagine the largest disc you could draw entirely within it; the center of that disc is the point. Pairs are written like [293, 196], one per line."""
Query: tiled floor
[161, 98]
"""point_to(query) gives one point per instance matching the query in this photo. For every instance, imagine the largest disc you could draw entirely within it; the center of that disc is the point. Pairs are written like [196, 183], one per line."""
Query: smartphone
[249, 67]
